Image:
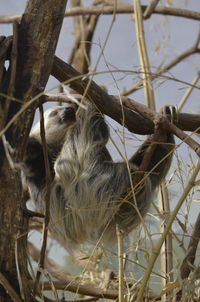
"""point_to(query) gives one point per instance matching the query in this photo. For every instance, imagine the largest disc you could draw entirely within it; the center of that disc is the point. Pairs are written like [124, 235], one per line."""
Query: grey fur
[90, 193]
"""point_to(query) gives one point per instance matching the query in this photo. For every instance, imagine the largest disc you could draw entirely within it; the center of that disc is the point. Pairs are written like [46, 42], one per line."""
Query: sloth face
[56, 121]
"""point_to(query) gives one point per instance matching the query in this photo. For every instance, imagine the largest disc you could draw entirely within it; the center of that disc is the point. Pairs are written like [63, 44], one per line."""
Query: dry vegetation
[157, 262]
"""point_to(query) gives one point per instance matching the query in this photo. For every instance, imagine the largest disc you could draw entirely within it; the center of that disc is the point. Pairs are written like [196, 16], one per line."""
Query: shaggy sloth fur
[90, 193]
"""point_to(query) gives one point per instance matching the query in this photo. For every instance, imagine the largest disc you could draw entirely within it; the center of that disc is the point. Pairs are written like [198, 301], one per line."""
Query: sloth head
[56, 121]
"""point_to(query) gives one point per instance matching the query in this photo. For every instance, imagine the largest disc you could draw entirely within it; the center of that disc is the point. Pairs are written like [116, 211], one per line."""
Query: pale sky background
[170, 35]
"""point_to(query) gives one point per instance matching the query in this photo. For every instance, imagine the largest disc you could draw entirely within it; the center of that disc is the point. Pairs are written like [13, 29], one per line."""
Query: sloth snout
[68, 114]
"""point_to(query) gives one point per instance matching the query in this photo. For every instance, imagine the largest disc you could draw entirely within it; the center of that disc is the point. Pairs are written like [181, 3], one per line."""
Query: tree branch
[111, 106]
[150, 8]
[120, 9]
[65, 73]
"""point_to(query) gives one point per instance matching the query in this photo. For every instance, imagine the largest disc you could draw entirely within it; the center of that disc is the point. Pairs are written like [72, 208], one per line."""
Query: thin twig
[120, 263]
[47, 197]
[156, 250]
[192, 50]
[108, 10]
[188, 92]
[47, 275]
[150, 8]
[166, 255]
[144, 61]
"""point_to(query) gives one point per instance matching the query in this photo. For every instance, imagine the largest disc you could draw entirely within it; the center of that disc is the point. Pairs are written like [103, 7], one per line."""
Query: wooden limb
[31, 214]
[90, 299]
[185, 121]
[150, 9]
[48, 277]
[76, 287]
[47, 197]
[68, 282]
[109, 9]
[110, 105]
[106, 104]
[144, 60]
[166, 252]
[36, 42]
[120, 236]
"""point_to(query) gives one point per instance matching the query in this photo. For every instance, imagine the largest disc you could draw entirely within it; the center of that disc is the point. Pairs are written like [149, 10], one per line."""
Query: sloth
[90, 193]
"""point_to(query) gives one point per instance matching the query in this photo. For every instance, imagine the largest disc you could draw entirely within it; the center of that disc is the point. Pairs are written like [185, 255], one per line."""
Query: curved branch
[111, 105]
[63, 72]
[109, 9]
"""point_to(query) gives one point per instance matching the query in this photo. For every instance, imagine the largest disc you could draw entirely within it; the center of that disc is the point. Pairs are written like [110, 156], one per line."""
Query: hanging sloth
[90, 194]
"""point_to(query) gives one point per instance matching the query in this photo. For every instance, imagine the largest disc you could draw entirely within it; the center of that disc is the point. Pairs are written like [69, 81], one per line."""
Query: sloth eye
[53, 113]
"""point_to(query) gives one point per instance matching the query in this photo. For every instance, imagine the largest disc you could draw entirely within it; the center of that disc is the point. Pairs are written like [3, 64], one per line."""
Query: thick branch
[33, 52]
[110, 105]
[107, 104]
[47, 196]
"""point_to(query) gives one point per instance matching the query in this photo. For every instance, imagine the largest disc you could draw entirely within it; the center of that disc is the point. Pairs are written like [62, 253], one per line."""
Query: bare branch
[192, 50]
[153, 116]
[110, 105]
[67, 281]
[121, 9]
[106, 104]
[47, 196]
[150, 8]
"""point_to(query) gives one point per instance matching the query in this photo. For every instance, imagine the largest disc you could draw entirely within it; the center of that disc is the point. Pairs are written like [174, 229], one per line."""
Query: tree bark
[37, 37]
